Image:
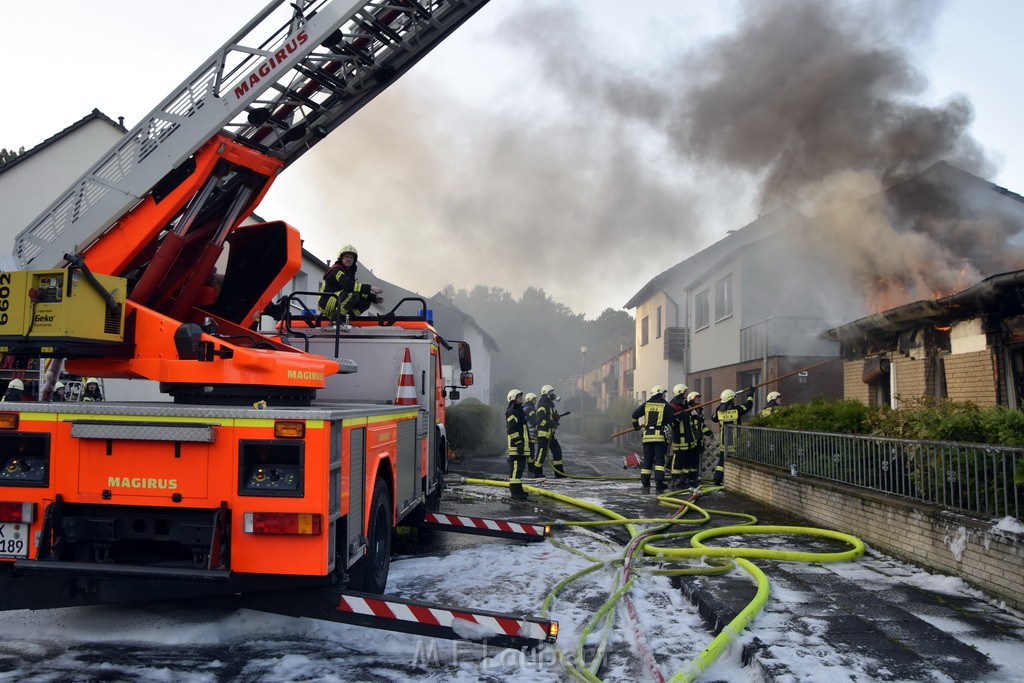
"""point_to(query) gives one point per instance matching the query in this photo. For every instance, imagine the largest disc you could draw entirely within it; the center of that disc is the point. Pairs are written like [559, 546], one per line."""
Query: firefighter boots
[517, 492]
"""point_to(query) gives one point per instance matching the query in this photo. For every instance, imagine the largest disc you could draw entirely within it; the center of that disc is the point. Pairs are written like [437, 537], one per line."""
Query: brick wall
[971, 377]
[853, 383]
[914, 377]
[915, 532]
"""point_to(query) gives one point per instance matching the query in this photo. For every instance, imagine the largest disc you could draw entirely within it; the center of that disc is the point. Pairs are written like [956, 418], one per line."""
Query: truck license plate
[13, 540]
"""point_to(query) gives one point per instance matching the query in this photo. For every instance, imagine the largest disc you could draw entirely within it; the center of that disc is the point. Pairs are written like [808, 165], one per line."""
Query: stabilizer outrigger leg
[408, 616]
[480, 526]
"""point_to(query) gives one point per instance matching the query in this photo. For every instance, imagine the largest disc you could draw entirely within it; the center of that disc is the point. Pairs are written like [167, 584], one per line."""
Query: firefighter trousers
[654, 463]
[550, 445]
[686, 465]
[517, 465]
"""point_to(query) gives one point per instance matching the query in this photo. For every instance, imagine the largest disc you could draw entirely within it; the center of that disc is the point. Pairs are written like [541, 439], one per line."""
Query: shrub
[819, 415]
[921, 419]
[470, 425]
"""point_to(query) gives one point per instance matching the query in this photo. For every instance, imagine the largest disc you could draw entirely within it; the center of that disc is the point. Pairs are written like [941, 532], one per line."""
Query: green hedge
[917, 419]
[470, 427]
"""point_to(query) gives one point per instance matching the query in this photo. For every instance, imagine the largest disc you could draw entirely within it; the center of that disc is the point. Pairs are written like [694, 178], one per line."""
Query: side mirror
[454, 394]
[466, 379]
[465, 358]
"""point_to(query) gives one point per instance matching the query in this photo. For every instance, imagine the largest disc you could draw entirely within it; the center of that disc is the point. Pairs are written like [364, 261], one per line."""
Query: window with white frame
[723, 297]
[700, 310]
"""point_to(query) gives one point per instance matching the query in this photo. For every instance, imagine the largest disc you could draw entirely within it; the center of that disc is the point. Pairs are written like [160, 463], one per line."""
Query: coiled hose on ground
[642, 544]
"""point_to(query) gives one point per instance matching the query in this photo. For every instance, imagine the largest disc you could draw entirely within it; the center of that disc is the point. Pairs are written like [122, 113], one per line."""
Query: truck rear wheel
[372, 573]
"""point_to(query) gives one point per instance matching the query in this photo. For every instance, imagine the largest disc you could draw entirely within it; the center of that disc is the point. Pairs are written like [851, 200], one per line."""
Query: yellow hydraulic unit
[68, 313]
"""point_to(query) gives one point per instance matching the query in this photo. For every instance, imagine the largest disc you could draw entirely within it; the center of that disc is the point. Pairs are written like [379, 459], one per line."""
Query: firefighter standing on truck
[658, 416]
[353, 297]
[92, 390]
[518, 438]
[729, 413]
[14, 391]
[547, 423]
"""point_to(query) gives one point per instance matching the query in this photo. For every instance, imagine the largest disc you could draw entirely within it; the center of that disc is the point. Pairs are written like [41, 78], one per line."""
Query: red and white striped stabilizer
[406, 383]
[481, 526]
[439, 621]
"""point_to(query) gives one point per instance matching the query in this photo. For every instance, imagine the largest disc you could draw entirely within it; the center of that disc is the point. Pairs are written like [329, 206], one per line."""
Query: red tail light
[17, 512]
[286, 523]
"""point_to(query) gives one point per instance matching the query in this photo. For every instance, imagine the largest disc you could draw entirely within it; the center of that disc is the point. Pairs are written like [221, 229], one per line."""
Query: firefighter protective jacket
[658, 416]
[683, 436]
[353, 296]
[547, 417]
[531, 419]
[730, 413]
[515, 424]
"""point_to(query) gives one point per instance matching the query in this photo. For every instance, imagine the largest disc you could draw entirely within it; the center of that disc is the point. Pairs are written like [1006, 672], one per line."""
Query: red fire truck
[285, 460]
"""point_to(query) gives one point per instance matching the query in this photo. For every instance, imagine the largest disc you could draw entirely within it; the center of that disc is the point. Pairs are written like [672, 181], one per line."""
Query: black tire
[434, 497]
[372, 575]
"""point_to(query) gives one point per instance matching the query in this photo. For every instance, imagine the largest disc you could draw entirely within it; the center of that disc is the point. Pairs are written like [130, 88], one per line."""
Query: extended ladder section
[293, 74]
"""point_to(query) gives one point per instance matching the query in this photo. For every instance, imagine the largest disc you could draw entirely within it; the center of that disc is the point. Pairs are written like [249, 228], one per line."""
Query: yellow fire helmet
[728, 395]
[530, 397]
[774, 396]
[657, 389]
[679, 389]
[348, 249]
[511, 396]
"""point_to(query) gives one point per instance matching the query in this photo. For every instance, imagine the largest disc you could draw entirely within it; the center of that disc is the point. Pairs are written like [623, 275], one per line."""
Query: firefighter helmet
[58, 386]
[679, 390]
[348, 249]
[530, 397]
[16, 384]
[774, 396]
[546, 389]
[91, 380]
[692, 396]
[728, 395]
[512, 394]
[657, 389]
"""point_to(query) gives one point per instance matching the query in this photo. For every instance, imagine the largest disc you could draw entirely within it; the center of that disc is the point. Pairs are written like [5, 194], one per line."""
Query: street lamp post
[583, 383]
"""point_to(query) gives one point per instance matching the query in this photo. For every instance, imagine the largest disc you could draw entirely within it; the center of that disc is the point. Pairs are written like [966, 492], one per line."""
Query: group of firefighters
[531, 423]
[91, 391]
[674, 433]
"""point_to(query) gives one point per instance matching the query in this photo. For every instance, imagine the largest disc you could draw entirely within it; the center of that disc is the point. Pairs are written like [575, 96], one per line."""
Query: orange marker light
[289, 430]
[8, 420]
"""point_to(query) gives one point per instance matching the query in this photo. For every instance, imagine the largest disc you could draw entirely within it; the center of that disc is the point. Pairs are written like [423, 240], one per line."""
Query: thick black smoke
[604, 163]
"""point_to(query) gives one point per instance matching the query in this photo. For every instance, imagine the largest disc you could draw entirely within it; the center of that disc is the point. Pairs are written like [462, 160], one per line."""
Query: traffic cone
[406, 383]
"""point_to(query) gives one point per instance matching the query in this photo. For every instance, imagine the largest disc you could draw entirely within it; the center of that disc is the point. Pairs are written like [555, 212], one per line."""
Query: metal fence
[977, 479]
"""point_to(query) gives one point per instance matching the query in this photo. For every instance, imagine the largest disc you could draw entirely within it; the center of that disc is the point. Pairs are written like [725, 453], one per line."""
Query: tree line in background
[539, 338]
[10, 154]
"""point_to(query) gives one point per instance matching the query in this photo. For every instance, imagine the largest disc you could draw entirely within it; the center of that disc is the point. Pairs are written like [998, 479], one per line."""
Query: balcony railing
[977, 479]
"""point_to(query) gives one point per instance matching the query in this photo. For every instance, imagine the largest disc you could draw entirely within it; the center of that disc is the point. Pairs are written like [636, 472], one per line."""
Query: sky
[570, 145]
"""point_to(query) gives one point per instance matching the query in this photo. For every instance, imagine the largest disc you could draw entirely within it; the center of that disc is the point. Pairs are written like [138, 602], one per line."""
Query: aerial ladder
[146, 224]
